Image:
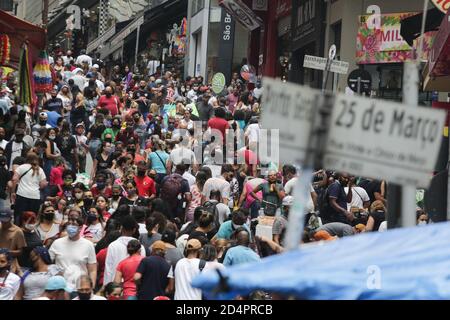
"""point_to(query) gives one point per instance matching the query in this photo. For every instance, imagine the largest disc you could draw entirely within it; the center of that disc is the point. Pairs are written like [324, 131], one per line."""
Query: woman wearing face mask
[422, 218]
[32, 239]
[66, 96]
[116, 197]
[113, 291]
[79, 113]
[103, 160]
[95, 225]
[377, 216]
[9, 281]
[35, 280]
[132, 198]
[47, 228]
[60, 216]
[51, 152]
[103, 205]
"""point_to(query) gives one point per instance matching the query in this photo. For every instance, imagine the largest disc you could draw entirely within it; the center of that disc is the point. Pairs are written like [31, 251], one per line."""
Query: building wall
[348, 11]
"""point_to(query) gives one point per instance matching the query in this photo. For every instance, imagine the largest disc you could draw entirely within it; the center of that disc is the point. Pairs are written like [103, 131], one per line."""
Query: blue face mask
[72, 231]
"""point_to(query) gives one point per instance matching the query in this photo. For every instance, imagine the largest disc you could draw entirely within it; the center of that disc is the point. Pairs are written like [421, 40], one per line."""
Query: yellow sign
[442, 5]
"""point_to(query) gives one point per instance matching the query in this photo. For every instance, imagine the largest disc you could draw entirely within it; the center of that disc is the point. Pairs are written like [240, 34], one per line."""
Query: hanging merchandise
[42, 74]
[183, 28]
[5, 49]
[25, 96]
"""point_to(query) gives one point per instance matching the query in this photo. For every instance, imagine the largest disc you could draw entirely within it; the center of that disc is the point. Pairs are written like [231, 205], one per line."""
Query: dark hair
[215, 194]
[206, 219]
[80, 186]
[133, 247]
[201, 178]
[159, 205]
[207, 171]
[226, 168]
[156, 218]
[239, 216]
[208, 252]
[168, 236]
[67, 173]
[128, 223]
[138, 214]
[110, 287]
[220, 113]
[19, 161]
[288, 168]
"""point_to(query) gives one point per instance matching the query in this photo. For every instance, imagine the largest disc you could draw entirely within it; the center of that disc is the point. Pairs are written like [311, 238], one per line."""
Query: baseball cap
[81, 124]
[159, 245]
[194, 244]
[360, 227]
[6, 215]
[56, 283]
[288, 201]
[43, 115]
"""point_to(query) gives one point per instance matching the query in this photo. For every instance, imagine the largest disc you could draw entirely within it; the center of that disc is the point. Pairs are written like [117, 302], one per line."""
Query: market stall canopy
[411, 26]
[20, 31]
[409, 263]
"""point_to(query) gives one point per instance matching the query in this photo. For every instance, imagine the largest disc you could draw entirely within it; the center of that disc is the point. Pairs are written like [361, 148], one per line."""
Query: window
[197, 6]
[6, 5]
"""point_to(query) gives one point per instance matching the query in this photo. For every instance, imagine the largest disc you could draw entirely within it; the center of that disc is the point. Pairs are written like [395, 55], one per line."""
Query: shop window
[197, 6]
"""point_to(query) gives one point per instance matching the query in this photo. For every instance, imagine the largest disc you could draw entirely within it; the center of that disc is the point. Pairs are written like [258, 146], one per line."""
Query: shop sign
[284, 9]
[242, 13]
[442, 5]
[385, 44]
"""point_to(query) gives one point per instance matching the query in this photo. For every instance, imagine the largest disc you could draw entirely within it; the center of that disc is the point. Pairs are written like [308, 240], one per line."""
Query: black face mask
[132, 151]
[3, 269]
[49, 216]
[116, 125]
[88, 202]
[84, 296]
[42, 122]
[141, 173]
[108, 140]
[116, 196]
[109, 95]
[142, 87]
[91, 218]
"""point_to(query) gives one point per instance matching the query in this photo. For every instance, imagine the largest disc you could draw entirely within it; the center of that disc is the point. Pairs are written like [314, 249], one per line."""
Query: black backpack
[212, 208]
[323, 203]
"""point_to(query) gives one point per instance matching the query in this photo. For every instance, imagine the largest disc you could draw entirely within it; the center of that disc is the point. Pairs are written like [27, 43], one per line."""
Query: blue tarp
[409, 263]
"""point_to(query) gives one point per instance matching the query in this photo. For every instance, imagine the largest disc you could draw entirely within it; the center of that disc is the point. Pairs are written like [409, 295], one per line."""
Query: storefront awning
[242, 13]
[411, 26]
[439, 59]
[20, 31]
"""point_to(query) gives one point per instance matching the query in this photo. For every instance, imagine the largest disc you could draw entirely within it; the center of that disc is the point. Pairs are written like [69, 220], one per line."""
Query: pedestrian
[85, 289]
[10, 282]
[127, 268]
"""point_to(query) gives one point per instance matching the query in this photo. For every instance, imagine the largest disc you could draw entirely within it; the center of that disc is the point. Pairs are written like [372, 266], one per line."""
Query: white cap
[96, 66]
[77, 70]
[288, 201]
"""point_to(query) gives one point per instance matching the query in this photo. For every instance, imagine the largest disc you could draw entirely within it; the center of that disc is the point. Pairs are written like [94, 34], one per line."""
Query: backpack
[212, 208]
[171, 188]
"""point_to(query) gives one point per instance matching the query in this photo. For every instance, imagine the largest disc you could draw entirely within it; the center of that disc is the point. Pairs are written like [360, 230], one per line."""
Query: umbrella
[409, 263]
[25, 85]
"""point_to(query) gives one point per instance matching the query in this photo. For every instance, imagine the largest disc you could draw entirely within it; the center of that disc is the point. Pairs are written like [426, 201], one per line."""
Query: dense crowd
[103, 195]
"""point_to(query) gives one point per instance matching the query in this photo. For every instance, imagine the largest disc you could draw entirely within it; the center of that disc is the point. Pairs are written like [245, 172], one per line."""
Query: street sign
[218, 83]
[332, 52]
[384, 140]
[320, 63]
[290, 109]
[365, 81]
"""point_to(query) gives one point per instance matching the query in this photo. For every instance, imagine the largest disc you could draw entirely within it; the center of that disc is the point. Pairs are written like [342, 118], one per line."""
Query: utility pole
[45, 13]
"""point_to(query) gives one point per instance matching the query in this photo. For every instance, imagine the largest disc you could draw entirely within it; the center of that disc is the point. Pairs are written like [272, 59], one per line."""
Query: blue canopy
[409, 263]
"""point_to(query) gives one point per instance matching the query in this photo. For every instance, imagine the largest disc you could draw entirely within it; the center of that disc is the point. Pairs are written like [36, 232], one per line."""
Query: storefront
[283, 18]
[307, 36]
[382, 52]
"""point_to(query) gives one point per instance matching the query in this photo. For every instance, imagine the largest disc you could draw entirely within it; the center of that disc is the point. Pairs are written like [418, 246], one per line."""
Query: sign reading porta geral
[442, 5]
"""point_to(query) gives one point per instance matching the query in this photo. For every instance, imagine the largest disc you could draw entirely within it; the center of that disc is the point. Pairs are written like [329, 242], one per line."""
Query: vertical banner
[226, 45]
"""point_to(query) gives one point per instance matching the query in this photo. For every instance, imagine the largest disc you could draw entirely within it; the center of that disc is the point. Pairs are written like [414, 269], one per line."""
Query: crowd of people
[102, 195]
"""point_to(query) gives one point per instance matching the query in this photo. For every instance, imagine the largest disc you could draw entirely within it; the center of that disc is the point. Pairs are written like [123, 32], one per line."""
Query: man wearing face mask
[16, 147]
[42, 123]
[55, 103]
[338, 199]
[238, 219]
[110, 102]
[145, 185]
[85, 290]
[142, 97]
[75, 255]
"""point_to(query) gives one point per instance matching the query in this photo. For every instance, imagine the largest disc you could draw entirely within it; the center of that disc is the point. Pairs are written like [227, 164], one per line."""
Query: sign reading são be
[367, 137]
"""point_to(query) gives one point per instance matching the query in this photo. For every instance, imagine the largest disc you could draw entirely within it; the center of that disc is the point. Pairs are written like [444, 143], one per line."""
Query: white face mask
[422, 223]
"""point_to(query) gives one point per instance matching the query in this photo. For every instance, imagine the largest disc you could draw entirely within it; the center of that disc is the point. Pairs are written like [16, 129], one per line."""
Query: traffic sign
[365, 81]
[290, 109]
[320, 63]
[218, 83]
[384, 140]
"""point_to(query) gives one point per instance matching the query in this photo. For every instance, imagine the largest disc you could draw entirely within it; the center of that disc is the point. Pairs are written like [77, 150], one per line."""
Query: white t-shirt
[185, 271]
[190, 178]
[3, 144]
[96, 231]
[252, 132]
[152, 66]
[11, 286]
[224, 211]
[73, 257]
[182, 154]
[142, 228]
[117, 251]
[29, 184]
[214, 265]
[16, 151]
[217, 184]
[383, 227]
[93, 297]
[359, 196]
[289, 190]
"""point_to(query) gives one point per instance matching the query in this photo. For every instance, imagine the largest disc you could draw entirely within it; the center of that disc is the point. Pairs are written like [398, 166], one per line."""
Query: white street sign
[332, 52]
[320, 63]
[384, 140]
[290, 109]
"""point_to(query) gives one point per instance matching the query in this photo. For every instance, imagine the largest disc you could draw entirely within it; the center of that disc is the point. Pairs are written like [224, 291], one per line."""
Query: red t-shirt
[107, 192]
[112, 104]
[128, 268]
[101, 259]
[219, 124]
[145, 186]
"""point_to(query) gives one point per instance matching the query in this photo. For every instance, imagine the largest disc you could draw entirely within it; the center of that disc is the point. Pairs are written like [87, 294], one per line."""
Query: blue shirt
[239, 255]
[226, 230]
[157, 165]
